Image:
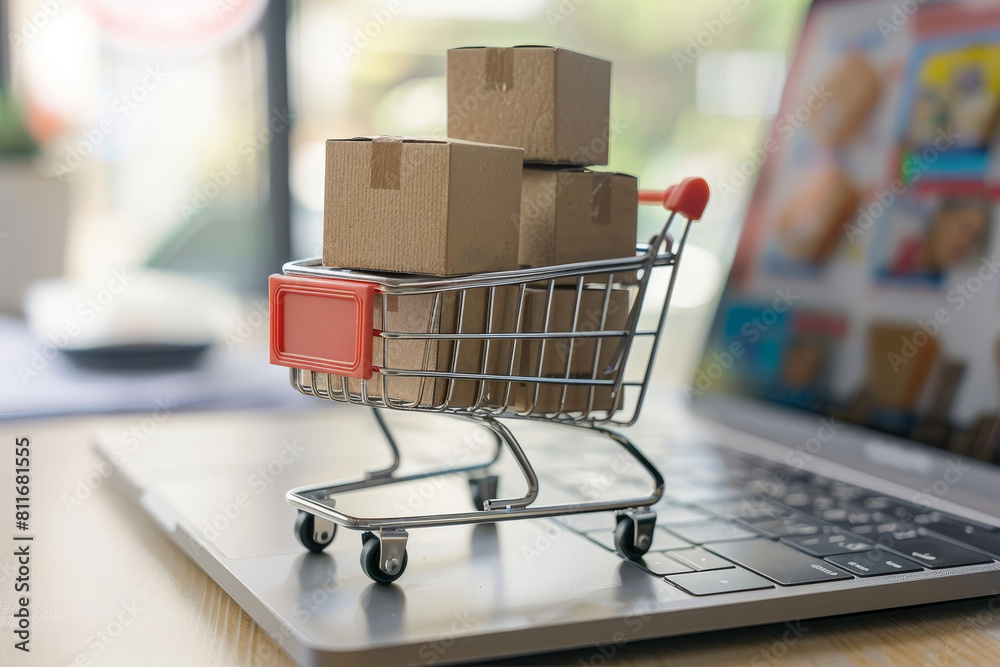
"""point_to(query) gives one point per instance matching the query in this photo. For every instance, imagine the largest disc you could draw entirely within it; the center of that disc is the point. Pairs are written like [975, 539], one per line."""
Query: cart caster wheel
[370, 551]
[625, 540]
[483, 489]
[305, 527]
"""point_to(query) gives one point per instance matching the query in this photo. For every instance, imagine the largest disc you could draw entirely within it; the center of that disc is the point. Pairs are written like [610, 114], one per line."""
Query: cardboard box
[557, 351]
[553, 103]
[417, 314]
[576, 215]
[439, 207]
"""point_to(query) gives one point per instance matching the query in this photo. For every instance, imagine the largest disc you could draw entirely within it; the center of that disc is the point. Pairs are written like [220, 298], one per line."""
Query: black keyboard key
[935, 553]
[711, 531]
[778, 562]
[828, 544]
[785, 526]
[699, 559]
[719, 581]
[975, 536]
[661, 564]
[874, 563]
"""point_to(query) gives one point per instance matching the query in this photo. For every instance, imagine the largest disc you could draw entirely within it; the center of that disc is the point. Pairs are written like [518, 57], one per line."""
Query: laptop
[835, 452]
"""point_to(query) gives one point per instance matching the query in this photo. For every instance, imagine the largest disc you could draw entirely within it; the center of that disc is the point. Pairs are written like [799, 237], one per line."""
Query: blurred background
[159, 158]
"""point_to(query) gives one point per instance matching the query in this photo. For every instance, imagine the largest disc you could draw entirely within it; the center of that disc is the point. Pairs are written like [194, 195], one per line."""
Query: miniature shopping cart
[553, 343]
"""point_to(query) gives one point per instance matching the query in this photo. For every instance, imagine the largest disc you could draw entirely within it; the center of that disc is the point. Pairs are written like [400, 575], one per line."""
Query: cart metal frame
[384, 538]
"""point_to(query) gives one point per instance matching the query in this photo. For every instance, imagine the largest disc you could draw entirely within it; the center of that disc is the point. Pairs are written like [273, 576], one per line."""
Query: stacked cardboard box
[554, 104]
[439, 207]
[575, 215]
[509, 188]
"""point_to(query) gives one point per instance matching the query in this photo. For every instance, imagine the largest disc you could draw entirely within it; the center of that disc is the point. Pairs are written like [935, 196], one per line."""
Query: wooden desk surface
[107, 588]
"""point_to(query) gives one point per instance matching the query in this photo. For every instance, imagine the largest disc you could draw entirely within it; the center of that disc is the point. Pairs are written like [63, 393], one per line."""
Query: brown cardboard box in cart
[439, 313]
[576, 215]
[558, 350]
[553, 103]
[439, 207]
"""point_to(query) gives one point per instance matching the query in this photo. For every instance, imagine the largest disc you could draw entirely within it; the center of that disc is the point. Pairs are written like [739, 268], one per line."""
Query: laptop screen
[866, 284]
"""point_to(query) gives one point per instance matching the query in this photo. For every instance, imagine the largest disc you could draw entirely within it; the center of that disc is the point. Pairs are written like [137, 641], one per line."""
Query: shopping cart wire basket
[562, 344]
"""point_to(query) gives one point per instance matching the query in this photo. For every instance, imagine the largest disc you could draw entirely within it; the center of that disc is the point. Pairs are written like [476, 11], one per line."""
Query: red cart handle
[689, 198]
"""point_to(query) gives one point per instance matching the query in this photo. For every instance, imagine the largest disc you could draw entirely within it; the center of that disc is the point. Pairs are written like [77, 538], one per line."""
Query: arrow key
[719, 581]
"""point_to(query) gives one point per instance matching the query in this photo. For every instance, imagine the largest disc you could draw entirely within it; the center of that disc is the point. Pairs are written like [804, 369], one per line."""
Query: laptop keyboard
[729, 523]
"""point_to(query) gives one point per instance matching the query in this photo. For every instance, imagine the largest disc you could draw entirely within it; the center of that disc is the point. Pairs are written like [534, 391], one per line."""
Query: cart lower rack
[557, 344]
